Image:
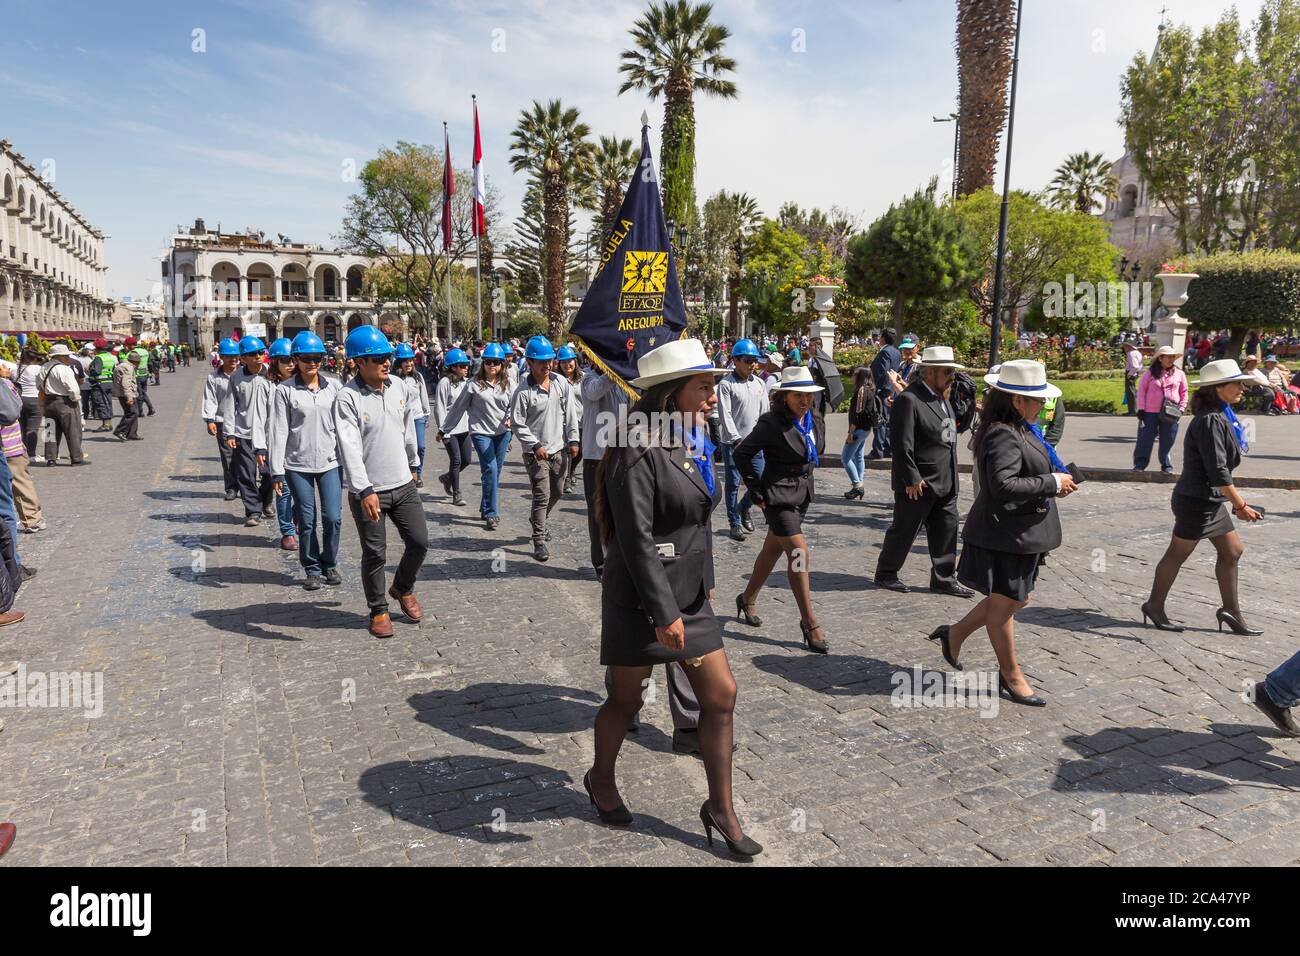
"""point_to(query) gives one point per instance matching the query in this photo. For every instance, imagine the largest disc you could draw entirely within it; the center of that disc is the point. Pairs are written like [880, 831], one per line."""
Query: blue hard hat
[404, 352]
[745, 348]
[539, 348]
[566, 352]
[250, 344]
[508, 349]
[455, 357]
[281, 348]
[494, 351]
[367, 340]
[305, 343]
[228, 347]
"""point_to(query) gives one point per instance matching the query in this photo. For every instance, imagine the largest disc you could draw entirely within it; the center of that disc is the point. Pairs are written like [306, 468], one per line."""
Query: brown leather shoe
[410, 606]
[381, 625]
[12, 617]
[7, 833]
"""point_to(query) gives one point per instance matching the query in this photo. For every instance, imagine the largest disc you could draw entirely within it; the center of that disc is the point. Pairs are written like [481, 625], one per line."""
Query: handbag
[1170, 412]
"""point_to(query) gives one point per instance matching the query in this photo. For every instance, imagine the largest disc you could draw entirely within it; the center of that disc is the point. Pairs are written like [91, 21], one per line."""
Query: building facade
[52, 272]
[219, 283]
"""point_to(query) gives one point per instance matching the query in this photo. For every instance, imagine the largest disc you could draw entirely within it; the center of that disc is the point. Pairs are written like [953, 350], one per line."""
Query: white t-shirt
[28, 381]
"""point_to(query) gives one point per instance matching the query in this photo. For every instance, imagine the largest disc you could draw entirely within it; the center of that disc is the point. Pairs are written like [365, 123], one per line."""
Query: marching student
[100, 374]
[280, 370]
[742, 398]
[544, 416]
[375, 425]
[451, 418]
[567, 365]
[488, 398]
[304, 461]
[512, 365]
[405, 370]
[219, 408]
[245, 385]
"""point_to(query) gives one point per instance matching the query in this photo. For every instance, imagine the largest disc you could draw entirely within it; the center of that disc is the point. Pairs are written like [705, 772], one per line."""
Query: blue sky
[146, 133]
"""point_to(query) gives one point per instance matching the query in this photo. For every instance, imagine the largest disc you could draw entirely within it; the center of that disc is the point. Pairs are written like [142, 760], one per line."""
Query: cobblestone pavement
[247, 721]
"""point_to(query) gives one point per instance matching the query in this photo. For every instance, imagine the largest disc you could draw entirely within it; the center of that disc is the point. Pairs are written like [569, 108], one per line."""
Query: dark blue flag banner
[635, 301]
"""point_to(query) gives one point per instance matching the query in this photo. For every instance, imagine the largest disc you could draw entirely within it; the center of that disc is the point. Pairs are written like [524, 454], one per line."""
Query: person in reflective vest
[1052, 420]
[101, 385]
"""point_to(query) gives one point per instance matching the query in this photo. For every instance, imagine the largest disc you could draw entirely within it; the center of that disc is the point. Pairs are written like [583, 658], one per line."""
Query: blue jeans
[854, 455]
[316, 556]
[1149, 424]
[284, 511]
[491, 451]
[1283, 685]
[7, 510]
[420, 425]
[734, 509]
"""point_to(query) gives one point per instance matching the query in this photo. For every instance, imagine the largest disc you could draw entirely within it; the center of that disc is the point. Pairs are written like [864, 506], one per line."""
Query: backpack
[962, 397]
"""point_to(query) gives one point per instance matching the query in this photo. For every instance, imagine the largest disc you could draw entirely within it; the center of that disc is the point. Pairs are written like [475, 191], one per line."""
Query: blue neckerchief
[1238, 429]
[1057, 464]
[805, 426]
[700, 450]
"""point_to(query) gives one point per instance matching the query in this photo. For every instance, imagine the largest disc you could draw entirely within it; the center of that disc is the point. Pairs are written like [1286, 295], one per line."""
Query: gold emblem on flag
[645, 273]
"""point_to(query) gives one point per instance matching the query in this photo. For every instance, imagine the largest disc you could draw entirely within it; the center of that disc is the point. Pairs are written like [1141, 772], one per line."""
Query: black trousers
[458, 451]
[403, 507]
[30, 419]
[67, 427]
[256, 489]
[142, 382]
[227, 460]
[130, 420]
[939, 515]
[593, 531]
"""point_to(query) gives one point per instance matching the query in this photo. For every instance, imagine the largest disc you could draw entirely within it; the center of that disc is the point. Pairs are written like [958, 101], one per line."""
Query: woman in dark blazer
[1013, 523]
[1211, 450]
[656, 491]
[789, 440]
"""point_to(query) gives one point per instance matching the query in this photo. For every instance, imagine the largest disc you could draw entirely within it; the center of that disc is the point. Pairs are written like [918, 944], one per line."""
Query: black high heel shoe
[817, 647]
[1033, 700]
[753, 620]
[940, 634]
[1236, 623]
[1161, 621]
[744, 847]
[618, 817]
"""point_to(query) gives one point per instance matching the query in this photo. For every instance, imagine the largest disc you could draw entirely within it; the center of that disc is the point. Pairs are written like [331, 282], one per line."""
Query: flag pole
[478, 232]
[450, 332]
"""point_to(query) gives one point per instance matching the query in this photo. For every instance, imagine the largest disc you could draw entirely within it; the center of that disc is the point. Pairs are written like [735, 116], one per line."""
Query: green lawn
[1090, 394]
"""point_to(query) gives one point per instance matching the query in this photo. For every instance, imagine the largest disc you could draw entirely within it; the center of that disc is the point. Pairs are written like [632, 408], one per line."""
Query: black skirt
[1197, 518]
[627, 635]
[785, 521]
[998, 572]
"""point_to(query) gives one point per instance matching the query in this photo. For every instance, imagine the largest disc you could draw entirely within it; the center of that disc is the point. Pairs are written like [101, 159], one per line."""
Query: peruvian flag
[480, 192]
[448, 190]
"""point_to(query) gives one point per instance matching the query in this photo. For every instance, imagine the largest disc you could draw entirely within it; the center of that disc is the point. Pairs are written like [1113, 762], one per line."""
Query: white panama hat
[939, 356]
[1023, 377]
[797, 378]
[59, 349]
[776, 358]
[1222, 372]
[680, 358]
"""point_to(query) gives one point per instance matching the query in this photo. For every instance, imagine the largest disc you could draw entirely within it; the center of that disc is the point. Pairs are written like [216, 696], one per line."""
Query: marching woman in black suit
[1013, 523]
[655, 493]
[1211, 450]
[789, 440]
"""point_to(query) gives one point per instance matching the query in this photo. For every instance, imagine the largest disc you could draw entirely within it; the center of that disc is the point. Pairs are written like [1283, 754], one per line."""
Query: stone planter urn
[1172, 329]
[822, 328]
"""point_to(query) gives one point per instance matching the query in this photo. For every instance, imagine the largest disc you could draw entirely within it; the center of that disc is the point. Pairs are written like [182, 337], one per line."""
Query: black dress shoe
[1236, 623]
[1281, 717]
[940, 634]
[736, 534]
[232, 495]
[747, 522]
[1161, 622]
[1033, 700]
[332, 577]
[893, 584]
[952, 589]
[618, 817]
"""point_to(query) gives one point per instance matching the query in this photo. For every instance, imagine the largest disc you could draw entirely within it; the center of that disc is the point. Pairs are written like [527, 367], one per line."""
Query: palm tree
[986, 32]
[1080, 179]
[678, 51]
[551, 142]
[746, 219]
[616, 160]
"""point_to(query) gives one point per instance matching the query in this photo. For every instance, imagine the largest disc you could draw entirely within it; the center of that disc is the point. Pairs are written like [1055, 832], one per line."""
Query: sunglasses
[491, 361]
[310, 359]
[751, 361]
[377, 359]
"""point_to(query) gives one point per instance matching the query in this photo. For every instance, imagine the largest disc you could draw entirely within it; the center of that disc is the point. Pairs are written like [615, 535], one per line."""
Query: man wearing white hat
[58, 385]
[923, 436]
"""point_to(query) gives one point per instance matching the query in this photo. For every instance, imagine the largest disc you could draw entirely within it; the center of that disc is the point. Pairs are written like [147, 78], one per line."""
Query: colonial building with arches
[216, 283]
[51, 259]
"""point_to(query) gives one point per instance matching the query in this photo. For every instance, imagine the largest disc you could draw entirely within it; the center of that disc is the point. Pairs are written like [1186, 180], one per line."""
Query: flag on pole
[635, 302]
[448, 190]
[480, 191]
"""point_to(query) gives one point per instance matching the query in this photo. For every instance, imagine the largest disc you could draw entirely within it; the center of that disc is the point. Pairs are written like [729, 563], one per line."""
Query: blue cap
[566, 352]
[494, 351]
[404, 352]
[250, 344]
[367, 340]
[228, 347]
[455, 357]
[540, 349]
[305, 343]
[281, 348]
[745, 348]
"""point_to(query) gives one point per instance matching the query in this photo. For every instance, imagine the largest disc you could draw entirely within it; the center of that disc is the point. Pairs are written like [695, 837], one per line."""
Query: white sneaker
[32, 529]
[38, 459]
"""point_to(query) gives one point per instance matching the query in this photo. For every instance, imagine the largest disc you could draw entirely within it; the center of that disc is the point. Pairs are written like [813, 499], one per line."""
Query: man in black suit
[887, 360]
[923, 432]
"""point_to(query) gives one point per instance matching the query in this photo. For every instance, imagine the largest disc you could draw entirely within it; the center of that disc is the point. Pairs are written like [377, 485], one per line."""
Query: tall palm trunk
[677, 157]
[609, 207]
[733, 291]
[985, 36]
[555, 216]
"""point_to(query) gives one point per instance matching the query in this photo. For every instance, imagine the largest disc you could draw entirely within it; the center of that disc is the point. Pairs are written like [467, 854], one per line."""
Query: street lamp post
[956, 142]
[999, 272]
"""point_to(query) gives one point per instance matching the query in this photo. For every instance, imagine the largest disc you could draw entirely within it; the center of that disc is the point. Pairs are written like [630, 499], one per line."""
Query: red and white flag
[480, 191]
[448, 190]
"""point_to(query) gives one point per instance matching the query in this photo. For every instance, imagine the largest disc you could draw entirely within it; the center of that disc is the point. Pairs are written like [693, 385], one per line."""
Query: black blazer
[787, 479]
[1210, 454]
[924, 441]
[1015, 510]
[657, 496]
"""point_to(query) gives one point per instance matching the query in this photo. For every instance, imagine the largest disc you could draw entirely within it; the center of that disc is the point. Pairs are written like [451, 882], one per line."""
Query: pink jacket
[1152, 393]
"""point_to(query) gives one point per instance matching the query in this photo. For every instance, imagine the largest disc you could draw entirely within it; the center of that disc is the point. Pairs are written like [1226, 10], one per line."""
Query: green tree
[550, 142]
[1276, 113]
[1254, 290]
[915, 252]
[776, 265]
[677, 51]
[833, 229]
[527, 248]
[1080, 180]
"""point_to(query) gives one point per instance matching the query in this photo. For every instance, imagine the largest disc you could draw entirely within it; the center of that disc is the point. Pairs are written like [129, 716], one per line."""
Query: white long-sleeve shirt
[739, 406]
[218, 403]
[376, 436]
[450, 415]
[546, 418]
[600, 398]
[301, 434]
